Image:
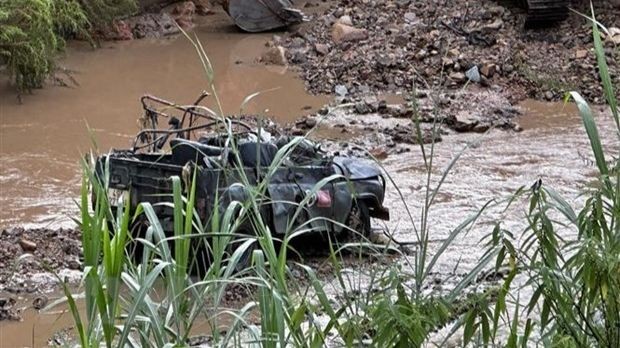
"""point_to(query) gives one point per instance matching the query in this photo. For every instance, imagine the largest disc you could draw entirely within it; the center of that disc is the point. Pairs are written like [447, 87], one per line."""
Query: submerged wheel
[135, 248]
[359, 221]
[245, 261]
[545, 12]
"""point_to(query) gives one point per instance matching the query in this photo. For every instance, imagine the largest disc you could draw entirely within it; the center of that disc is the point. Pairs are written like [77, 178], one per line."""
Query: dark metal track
[544, 12]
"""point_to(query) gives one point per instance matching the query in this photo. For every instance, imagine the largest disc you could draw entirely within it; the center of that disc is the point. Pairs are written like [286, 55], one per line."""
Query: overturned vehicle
[301, 184]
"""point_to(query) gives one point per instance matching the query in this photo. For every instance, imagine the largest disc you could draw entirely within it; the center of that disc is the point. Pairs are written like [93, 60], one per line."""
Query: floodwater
[39, 328]
[553, 147]
[42, 139]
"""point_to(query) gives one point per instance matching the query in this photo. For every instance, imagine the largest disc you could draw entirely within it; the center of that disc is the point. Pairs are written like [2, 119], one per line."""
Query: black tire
[359, 221]
[246, 258]
[546, 12]
[135, 248]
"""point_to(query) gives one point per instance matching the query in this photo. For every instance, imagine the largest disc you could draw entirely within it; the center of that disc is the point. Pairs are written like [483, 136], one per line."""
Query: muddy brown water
[552, 147]
[42, 139]
[38, 328]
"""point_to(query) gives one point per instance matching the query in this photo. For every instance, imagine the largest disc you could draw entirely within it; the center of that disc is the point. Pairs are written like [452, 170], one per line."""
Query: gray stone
[341, 90]
[473, 74]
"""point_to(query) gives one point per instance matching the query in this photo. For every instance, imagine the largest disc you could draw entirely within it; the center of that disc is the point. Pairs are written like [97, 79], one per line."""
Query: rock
[411, 18]
[488, 70]
[27, 245]
[379, 153]
[398, 111]
[152, 25]
[74, 264]
[346, 20]
[345, 33]
[421, 54]
[473, 74]
[481, 128]
[322, 49]
[363, 108]
[496, 11]
[457, 77]
[39, 302]
[401, 40]
[463, 124]
[407, 134]
[454, 53]
[123, 30]
[549, 95]
[495, 25]
[299, 56]
[311, 122]
[581, 54]
[341, 90]
[275, 56]
[183, 14]
[7, 310]
[203, 7]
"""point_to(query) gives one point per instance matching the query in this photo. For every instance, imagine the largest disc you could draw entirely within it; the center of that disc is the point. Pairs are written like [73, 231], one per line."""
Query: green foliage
[29, 39]
[33, 32]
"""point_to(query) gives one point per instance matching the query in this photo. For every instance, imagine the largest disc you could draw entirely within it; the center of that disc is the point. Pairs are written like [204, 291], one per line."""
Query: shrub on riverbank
[33, 32]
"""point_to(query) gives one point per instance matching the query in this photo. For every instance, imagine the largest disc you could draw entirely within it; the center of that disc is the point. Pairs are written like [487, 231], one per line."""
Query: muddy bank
[359, 47]
[27, 256]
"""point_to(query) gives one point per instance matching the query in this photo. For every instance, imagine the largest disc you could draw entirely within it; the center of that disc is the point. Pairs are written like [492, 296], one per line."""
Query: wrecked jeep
[219, 149]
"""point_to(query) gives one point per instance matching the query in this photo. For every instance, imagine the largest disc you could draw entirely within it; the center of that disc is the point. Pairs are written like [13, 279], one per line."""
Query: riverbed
[43, 138]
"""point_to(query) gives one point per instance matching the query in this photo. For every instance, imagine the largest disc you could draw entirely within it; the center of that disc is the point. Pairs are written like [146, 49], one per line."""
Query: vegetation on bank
[33, 33]
[568, 296]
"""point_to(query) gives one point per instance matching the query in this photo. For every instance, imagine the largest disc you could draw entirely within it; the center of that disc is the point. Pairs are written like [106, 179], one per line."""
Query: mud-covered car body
[218, 159]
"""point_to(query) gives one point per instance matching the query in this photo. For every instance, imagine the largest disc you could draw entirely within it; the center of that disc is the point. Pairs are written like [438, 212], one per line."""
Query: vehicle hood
[356, 168]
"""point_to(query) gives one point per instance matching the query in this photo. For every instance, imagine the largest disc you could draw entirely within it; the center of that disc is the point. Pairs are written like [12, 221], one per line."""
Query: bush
[33, 32]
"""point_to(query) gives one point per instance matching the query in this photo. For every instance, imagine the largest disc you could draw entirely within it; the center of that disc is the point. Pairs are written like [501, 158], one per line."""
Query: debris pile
[374, 46]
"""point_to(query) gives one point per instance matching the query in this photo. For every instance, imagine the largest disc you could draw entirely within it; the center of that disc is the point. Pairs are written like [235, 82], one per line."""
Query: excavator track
[545, 12]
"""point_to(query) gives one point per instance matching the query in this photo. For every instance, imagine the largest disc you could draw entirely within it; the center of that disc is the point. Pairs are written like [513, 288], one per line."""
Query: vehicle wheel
[359, 221]
[200, 257]
[245, 261]
[135, 248]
